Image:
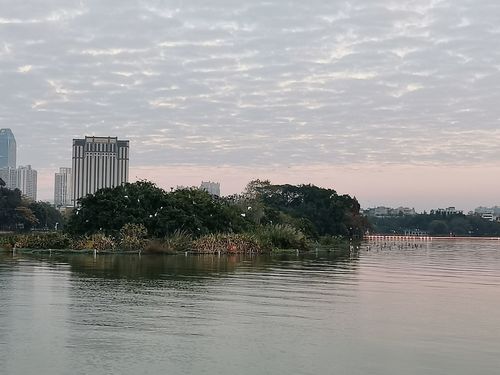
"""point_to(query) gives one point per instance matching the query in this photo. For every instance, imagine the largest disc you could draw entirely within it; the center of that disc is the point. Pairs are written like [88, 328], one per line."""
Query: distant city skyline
[20, 177]
[393, 102]
[382, 178]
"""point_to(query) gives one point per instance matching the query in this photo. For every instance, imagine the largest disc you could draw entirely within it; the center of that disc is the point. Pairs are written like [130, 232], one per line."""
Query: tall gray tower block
[98, 162]
[63, 187]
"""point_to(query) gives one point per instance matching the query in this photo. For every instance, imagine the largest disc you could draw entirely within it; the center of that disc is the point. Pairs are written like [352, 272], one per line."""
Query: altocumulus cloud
[252, 83]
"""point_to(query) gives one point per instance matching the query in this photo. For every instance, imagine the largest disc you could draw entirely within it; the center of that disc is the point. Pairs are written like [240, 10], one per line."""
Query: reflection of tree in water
[194, 267]
[5, 257]
[151, 266]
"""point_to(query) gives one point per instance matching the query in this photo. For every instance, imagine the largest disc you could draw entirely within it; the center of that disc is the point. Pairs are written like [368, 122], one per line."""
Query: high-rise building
[9, 176]
[27, 181]
[22, 178]
[98, 162]
[7, 149]
[213, 188]
[63, 188]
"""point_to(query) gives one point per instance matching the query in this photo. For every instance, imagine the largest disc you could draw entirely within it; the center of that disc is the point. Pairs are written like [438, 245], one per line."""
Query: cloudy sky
[394, 101]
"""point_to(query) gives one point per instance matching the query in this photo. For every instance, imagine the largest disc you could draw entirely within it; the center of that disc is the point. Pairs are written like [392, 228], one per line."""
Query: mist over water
[387, 308]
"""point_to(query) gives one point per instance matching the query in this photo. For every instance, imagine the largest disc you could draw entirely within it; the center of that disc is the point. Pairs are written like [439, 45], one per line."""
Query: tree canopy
[190, 210]
[20, 213]
[313, 210]
[317, 211]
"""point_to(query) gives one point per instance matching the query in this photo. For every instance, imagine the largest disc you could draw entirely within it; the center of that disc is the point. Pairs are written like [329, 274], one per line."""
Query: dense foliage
[161, 213]
[315, 211]
[19, 213]
[301, 211]
[437, 224]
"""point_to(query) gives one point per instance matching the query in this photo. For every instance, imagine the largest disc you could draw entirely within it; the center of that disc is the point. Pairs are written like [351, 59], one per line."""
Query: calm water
[430, 309]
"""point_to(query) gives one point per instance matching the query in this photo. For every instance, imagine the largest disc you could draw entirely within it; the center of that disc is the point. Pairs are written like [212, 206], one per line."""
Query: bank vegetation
[141, 217]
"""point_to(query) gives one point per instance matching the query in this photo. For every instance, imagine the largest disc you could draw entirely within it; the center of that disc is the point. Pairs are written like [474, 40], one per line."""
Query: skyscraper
[7, 149]
[63, 188]
[98, 162]
[27, 181]
[9, 176]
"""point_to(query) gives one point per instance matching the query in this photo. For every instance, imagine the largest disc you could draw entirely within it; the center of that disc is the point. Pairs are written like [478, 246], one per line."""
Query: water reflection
[380, 310]
[135, 267]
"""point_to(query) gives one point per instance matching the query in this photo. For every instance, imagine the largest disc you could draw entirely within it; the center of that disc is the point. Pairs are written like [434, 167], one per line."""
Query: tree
[109, 209]
[14, 211]
[314, 210]
[438, 227]
[460, 226]
[161, 213]
[47, 216]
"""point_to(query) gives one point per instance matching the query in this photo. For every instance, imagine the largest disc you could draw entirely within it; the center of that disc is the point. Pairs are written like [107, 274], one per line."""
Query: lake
[429, 307]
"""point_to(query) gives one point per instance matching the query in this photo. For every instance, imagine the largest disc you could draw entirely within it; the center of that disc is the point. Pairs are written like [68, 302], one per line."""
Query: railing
[402, 237]
[397, 237]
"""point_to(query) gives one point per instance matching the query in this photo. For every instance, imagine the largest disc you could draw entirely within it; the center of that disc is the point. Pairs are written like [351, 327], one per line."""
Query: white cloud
[24, 69]
[259, 82]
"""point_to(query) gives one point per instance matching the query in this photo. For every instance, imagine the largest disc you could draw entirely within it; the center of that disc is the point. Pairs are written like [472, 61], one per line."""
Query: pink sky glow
[421, 187]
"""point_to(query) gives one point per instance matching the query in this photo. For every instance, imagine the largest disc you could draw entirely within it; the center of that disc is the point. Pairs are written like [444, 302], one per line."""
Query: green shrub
[98, 241]
[53, 240]
[227, 244]
[7, 241]
[133, 237]
[179, 241]
[282, 236]
[157, 247]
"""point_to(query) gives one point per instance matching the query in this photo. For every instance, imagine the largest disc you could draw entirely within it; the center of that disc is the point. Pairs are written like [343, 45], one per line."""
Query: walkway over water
[396, 237]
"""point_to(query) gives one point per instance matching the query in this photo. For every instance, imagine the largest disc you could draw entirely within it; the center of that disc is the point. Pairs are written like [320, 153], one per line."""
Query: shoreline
[145, 253]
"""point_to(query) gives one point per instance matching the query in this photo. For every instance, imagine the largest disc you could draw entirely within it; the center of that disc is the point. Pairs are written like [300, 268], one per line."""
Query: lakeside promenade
[402, 237]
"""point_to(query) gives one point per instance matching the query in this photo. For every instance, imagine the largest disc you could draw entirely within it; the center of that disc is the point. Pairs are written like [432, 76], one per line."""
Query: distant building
[183, 187]
[213, 188]
[27, 181]
[446, 211]
[63, 188]
[98, 162]
[8, 149]
[488, 216]
[9, 176]
[382, 211]
[488, 213]
[23, 178]
[406, 211]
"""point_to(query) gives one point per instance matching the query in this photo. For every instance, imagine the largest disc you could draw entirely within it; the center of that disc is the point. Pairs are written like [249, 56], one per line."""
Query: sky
[396, 102]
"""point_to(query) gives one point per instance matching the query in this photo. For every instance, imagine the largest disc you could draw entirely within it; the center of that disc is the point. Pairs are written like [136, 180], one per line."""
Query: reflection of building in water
[98, 162]
[212, 188]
